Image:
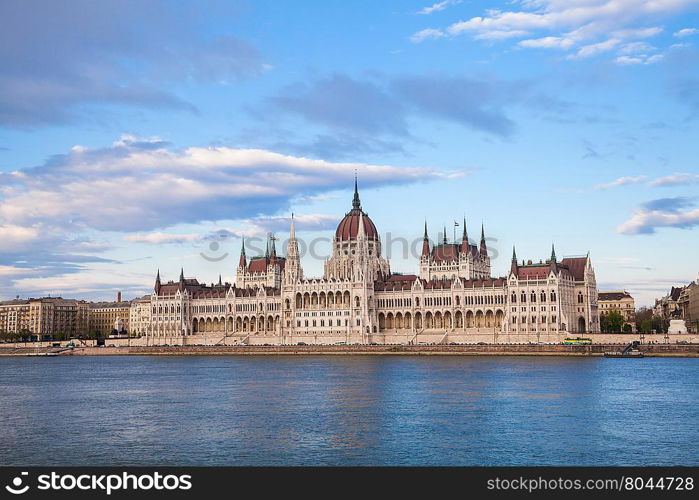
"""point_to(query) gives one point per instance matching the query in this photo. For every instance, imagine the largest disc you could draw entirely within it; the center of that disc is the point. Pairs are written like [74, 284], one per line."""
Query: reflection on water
[348, 410]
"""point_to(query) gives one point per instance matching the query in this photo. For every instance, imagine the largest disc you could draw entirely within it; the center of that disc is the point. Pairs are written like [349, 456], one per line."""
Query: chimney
[118, 296]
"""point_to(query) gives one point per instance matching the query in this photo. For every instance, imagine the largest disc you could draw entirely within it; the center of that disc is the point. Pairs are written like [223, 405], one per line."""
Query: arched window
[533, 296]
[524, 297]
[580, 298]
[553, 296]
[514, 298]
[543, 296]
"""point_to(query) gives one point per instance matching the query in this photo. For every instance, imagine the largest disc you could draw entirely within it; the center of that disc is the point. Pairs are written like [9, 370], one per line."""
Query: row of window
[532, 308]
[314, 323]
[322, 313]
[533, 320]
[399, 302]
[532, 297]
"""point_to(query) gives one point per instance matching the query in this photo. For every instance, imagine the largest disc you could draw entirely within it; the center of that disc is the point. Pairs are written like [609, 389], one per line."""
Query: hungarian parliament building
[358, 300]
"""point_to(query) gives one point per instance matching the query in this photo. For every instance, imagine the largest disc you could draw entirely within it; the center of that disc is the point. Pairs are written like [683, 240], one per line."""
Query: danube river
[348, 410]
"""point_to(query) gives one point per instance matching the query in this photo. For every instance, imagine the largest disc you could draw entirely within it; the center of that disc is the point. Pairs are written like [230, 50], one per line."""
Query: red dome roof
[349, 226]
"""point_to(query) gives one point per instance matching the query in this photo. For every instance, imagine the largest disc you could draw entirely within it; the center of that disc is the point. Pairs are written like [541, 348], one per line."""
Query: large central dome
[349, 226]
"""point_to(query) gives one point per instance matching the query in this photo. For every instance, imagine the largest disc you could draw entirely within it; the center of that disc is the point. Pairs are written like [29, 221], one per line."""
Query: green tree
[660, 325]
[644, 319]
[612, 322]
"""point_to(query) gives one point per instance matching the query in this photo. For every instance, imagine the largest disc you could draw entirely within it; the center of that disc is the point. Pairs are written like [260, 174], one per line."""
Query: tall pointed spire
[361, 234]
[552, 262]
[356, 204]
[444, 238]
[267, 247]
[219, 280]
[483, 249]
[464, 240]
[513, 266]
[182, 274]
[425, 243]
[274, 247]
[243, 260]
[292, 269]
[156, 288]
[157, 277]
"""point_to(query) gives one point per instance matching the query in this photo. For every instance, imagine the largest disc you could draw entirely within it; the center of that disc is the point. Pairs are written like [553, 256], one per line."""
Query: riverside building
[453, 298]
[44, 318]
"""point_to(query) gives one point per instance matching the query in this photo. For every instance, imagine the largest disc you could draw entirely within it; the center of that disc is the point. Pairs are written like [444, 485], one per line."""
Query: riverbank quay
[594, 350]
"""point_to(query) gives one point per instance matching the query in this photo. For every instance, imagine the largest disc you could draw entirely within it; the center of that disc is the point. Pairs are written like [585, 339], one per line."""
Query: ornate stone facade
[359, 300]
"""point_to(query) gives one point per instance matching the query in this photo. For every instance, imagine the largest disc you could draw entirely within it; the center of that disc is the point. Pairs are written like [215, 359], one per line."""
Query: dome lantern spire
[356, 204]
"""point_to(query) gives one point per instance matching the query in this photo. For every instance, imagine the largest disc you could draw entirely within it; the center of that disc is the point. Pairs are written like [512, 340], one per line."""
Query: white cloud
[158, 238]
[500, 34]
[565, 24]
[676, 179]
[621, 181]
[15, 238]
[646, 221]
[548, 42]
[137, 186]
[685, 32]
[15, 271]
[261, 226]
[426, 34]
[437, 7]
[595, 48]
[86, 282]
[654, 59]
[635, 48]
[626, 60]
[635, 33]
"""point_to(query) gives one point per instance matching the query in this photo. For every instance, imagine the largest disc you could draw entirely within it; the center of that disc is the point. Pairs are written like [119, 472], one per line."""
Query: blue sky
[143, 135]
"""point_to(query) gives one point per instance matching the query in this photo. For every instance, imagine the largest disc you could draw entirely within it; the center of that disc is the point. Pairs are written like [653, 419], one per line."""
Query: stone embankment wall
[493, 349]
[422, 339]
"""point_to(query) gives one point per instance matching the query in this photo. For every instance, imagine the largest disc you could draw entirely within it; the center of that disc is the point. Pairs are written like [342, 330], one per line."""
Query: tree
[660, 325]
[25, 333]
[612, 322]
[644, 319]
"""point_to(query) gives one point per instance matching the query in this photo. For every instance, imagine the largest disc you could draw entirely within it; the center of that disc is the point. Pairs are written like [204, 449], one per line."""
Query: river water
[348, 410]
